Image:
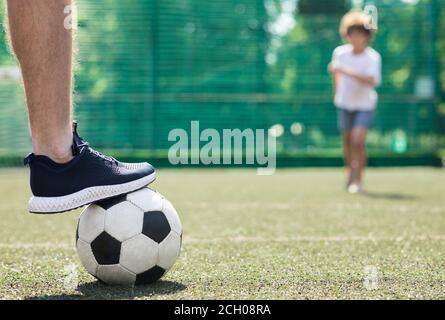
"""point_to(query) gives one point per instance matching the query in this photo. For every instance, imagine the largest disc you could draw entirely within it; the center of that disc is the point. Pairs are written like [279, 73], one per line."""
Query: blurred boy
[356, 70]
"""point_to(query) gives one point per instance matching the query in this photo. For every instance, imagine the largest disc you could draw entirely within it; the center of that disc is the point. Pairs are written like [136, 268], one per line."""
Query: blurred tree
[137, 57]
[326, 7]
[6, 57]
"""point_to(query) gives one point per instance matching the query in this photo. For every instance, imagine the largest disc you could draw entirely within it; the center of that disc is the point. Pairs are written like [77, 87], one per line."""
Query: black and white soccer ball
[130, 239]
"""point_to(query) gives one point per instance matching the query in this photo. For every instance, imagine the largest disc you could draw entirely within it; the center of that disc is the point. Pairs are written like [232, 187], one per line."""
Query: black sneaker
[90, 176]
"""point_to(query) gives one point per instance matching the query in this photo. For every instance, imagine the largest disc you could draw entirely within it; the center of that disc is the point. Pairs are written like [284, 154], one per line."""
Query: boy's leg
[345, 122]
[44, 49]
[358, 154]
[346, 137]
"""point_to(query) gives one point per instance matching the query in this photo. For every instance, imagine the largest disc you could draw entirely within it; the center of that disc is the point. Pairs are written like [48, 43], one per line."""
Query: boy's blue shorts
[347, 120]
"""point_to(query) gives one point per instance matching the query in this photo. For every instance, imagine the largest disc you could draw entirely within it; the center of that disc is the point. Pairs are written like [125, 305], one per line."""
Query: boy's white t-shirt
[350, 93]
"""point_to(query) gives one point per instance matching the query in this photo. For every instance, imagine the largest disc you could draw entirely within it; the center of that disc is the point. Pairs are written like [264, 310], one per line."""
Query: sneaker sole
[51, 205]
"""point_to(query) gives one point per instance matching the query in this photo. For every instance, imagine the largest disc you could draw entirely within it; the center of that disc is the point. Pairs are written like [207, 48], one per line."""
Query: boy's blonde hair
[355, 19]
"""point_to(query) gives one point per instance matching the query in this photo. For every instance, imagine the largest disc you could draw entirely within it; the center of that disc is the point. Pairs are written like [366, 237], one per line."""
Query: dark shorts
[347, 120]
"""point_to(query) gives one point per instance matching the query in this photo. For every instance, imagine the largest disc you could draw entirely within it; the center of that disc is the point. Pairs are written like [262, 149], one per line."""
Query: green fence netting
[147, 67]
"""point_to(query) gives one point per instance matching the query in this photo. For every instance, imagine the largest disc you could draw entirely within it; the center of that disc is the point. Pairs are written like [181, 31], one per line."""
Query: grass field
[294, 235]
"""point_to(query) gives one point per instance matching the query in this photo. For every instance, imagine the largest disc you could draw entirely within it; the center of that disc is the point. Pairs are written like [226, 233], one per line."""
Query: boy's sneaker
[355, 188]
[90, 176]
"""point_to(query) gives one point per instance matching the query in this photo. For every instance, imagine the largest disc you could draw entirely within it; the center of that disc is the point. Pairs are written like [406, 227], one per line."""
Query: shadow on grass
[99, 291]
[388, 196]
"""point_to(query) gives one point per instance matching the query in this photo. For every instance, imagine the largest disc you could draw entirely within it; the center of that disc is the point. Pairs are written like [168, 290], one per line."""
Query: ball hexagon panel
[156, 226]
[116, 274]
[91, 223]
[86, 256]
[139, 254]
[124, 221]
[169, 250]
[77, 231]
[108, 203]
[146, 199]
[172, 216]
[150, 276]
[106, 249]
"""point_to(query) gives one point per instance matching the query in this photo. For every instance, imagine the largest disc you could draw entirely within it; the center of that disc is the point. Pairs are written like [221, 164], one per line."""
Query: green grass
[294, 235]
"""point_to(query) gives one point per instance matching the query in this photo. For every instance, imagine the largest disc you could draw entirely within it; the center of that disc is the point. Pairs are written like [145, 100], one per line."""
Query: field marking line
[240, 239]
[43, 245]
[316, 239]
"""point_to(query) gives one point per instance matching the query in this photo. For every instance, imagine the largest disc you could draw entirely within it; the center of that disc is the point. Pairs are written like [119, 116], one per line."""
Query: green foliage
[441, 46]
[325, 7]
[5, 55]
[146, 67]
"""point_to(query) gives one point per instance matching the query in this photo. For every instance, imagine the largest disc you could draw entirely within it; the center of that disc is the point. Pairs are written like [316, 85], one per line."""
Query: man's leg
[358, 154]
[44, 49]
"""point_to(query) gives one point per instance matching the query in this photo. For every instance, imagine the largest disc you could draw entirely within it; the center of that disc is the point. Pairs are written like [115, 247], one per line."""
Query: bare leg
[44, 49]
[347, 153]
[358, 154]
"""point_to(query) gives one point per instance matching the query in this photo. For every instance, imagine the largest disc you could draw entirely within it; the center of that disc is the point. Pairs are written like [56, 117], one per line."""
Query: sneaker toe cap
[142, 168]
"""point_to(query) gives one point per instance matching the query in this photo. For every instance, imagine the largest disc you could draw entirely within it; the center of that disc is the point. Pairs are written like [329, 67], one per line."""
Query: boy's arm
[363, 79]
[333, 70]
[371, 77]
[335, 80]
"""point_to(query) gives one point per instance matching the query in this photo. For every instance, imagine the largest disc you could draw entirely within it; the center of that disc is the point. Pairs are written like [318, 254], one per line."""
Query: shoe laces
[102, 156]
[80, 143]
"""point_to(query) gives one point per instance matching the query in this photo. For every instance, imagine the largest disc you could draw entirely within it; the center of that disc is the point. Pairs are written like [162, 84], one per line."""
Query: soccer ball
[129, 239]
